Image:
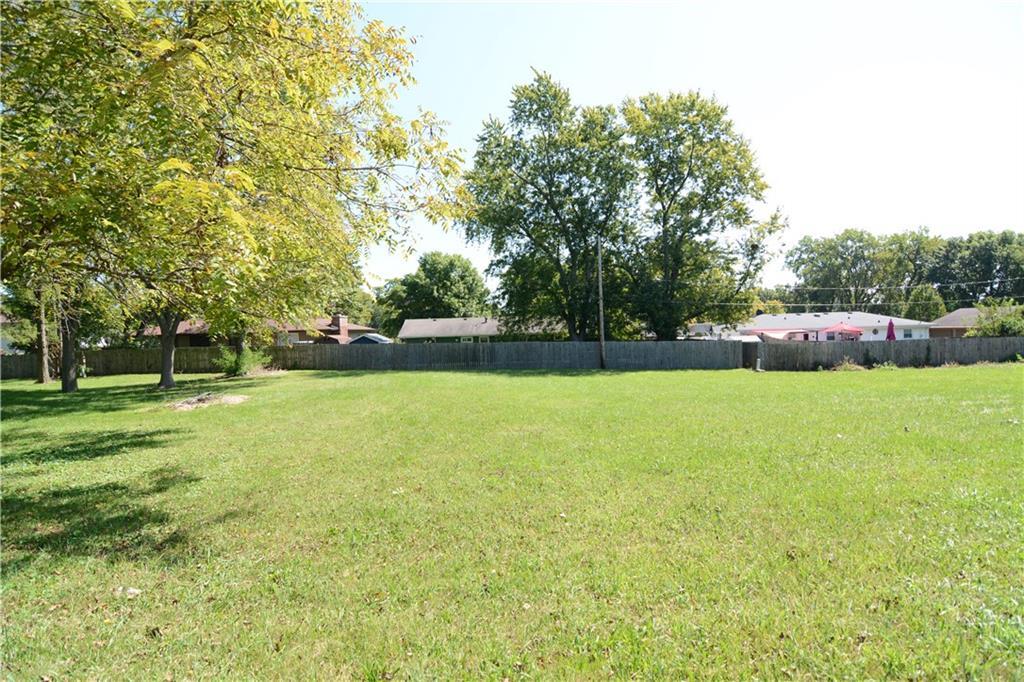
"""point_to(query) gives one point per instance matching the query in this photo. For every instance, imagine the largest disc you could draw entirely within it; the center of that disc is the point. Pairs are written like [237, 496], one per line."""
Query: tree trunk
[140, 332]
[572, 327]
[666, 332]
[68, 352]
[168, 331]
[42, 343]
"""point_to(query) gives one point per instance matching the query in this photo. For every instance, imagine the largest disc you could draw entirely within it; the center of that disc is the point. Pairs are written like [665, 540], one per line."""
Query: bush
[999, 318]
[888, 364]
[240, 364]
[847, 365]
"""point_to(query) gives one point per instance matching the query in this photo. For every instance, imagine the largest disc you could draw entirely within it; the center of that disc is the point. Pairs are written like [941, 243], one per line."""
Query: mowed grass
[506, 525]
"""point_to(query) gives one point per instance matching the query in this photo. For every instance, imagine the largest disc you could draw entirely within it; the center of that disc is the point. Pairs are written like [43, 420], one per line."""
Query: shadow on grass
[23, 402]
[80, 447]
[514, 373]
[117, 520]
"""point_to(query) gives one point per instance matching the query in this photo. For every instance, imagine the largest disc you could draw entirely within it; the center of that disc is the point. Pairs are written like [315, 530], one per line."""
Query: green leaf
[173, 164]
[157, 48]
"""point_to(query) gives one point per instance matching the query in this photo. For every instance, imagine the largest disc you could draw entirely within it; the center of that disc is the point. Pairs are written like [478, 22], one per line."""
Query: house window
[807, 337]
[830, 336]
[465, 339]
[484, 339]
[908, 334]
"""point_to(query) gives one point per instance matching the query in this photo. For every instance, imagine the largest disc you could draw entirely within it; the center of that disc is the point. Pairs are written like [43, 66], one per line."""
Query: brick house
[331, 330]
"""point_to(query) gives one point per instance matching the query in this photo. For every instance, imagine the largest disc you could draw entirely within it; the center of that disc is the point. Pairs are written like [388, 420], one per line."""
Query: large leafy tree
[924, 303]
[64, 96]
[845, 270]
[27, 319]
[699, 247]
[980, 266]
[665, 185]
[359, 305]
[233, 156]
[907, 260]
[549, 184]
[444, 285]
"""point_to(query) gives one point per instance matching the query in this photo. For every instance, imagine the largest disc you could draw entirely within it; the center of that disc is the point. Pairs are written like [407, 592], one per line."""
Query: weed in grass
[847, 365]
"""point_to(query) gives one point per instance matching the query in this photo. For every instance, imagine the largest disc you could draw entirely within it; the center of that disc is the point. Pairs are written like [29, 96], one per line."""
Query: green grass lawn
[440, 525]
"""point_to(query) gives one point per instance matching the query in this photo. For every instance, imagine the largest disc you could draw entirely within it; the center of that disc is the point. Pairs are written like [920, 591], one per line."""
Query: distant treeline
[910, 274]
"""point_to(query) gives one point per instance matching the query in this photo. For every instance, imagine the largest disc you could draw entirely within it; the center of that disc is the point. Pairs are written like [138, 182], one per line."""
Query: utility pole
[600, 306]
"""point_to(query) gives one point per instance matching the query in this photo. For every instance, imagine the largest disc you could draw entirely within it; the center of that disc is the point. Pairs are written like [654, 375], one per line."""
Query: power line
[798, 287]
[833, 305]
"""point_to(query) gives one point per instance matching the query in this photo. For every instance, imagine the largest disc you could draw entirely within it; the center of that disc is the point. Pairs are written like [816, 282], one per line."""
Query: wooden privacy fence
[558, 355]
[18, 366]
[801, 355]
[550, 355]
[533, 355]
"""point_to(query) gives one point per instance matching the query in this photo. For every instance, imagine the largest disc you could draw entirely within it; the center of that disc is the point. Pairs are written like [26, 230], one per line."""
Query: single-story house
[956, 323]
[707, 331]
[335, 329]
[836, 326]
[449, 330]
[190, 333]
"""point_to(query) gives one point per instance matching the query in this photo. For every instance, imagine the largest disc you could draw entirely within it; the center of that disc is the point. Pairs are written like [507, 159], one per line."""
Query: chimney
[341, 322]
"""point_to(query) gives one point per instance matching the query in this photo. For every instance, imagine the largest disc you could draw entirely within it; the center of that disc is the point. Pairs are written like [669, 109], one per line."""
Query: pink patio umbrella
[844, 331]
[890, 334]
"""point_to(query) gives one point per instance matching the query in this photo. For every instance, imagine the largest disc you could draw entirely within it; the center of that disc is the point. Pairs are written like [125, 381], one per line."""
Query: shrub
[888, 364]
[240, 364]
[999, 318]
[847, 365]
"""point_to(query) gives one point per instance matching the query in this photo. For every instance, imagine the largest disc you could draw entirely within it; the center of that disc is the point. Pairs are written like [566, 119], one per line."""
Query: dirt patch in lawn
[207, 399]
[265, 372]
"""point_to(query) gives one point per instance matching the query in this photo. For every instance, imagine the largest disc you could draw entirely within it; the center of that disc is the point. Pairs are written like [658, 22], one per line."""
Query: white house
[840, 326]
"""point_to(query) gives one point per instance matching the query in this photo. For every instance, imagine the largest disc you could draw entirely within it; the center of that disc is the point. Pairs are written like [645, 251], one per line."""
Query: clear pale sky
[876, 115]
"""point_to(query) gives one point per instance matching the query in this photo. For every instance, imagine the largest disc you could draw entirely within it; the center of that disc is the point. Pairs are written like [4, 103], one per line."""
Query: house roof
[184, 327]
[961, 318]
[321, 324]
[821, 321]
[324, 325]
[781, 333]
[375, 338]
[447, 327]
